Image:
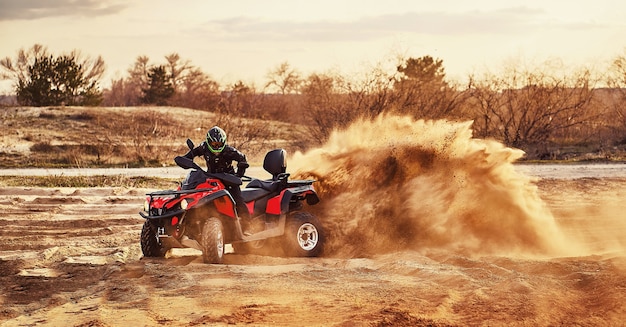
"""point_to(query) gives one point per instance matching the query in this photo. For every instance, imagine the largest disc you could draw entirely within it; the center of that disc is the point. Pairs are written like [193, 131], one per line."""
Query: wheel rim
[157, 238]
[220, 244]
[308, 236]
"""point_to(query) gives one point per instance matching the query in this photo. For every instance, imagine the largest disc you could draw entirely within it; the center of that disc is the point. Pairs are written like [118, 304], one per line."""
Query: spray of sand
[395, 183]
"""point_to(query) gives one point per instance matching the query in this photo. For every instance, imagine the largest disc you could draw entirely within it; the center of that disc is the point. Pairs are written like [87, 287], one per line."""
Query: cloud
[512, 20]
[508, 21]
[35, 9]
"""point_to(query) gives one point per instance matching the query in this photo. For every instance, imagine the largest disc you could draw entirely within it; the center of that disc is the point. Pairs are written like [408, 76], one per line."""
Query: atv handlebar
[187, 163]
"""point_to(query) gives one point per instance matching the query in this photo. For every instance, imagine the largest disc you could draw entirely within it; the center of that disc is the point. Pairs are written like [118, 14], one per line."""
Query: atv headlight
[184, 203]
[146, 206]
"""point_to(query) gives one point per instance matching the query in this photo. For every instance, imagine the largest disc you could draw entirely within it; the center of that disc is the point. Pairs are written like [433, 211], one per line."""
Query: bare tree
[284, 78]
[485, 97]
[529, 108]
[250, 135]
[371, 94]
[192, 87]
[17, 70]
[197, 90]
[324, 106]
[614, 98]
[127, 91]
[137, 81]
[177, 70]
[416, 87]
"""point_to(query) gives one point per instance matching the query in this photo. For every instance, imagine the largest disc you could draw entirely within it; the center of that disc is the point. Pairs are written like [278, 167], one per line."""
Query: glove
[241, 168]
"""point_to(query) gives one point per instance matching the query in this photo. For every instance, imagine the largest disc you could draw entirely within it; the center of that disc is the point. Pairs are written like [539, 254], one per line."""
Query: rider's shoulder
[202, 147]
[229, 149]
[232, 152]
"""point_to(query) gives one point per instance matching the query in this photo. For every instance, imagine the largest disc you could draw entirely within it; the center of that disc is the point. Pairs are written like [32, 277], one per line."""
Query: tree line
[543, 110]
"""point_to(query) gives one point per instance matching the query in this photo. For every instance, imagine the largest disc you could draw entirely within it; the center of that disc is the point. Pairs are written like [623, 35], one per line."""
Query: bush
[42, 147]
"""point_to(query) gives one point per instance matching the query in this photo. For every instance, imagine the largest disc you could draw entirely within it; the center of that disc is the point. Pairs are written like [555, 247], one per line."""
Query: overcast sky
[244, 39]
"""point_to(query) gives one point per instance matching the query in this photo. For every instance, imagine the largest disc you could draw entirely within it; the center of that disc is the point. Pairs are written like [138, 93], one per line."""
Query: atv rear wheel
[213, 241]
[151, 245]
[304, 236]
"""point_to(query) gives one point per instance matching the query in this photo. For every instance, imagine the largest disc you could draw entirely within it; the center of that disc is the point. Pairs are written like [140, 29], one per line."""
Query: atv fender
[276, 205]
[312, 198]
[279, 204]
[222, 200]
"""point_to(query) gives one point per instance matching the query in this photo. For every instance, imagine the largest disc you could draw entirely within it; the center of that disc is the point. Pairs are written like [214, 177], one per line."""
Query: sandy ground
[71, 257]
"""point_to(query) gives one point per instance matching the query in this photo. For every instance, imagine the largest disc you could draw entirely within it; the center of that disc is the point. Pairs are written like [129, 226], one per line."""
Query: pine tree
[160, 87]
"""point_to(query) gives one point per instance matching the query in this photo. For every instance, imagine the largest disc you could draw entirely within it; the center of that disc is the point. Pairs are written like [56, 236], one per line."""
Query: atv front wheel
[304, 236]
[213, 241]
[151, 245]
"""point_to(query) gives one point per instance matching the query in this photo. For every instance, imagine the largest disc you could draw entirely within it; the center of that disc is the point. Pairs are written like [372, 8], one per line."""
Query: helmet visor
[216, 146]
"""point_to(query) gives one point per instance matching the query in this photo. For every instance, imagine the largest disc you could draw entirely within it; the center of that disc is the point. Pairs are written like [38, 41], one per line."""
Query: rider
[219, 158]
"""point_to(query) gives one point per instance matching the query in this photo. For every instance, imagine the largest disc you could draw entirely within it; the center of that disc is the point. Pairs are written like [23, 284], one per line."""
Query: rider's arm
[242, 163]
[195, 152]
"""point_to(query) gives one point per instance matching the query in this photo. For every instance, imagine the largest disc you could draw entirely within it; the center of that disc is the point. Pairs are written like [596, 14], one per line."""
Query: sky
[246, 39]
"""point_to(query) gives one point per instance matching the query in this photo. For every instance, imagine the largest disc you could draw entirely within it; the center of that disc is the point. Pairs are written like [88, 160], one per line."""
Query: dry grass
[87, 181]
[122, 137]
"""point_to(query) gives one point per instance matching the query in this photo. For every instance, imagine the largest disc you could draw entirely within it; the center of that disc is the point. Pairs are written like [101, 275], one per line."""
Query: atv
[201, 213]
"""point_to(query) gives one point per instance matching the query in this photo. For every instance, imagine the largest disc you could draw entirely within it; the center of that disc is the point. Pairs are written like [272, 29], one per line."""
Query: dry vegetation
[127, 137]
[152, 136]
[550, 111]
[83, 181]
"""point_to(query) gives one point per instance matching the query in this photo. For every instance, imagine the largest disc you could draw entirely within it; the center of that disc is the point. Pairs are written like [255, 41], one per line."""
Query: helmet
[216, 139]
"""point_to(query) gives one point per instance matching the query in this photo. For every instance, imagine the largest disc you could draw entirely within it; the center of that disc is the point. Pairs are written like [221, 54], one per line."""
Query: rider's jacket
[221, 162]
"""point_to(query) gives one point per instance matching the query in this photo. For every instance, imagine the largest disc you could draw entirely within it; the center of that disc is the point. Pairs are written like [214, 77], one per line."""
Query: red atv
[201, 213]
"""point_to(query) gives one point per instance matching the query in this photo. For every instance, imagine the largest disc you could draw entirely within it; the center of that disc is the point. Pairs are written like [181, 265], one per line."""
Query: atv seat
[268, 185]
[274, 163]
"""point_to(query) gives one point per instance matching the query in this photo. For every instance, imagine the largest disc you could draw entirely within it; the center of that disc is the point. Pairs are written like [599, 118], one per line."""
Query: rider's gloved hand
[241, 168]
